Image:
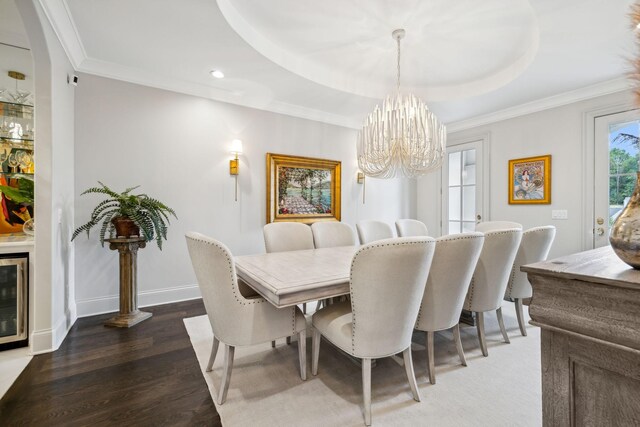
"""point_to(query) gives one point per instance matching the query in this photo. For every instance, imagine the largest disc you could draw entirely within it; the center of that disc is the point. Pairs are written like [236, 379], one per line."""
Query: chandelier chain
[398, 82]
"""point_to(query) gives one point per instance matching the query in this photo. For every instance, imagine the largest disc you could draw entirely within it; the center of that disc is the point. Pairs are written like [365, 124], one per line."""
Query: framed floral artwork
[530, 180]
[302, 189]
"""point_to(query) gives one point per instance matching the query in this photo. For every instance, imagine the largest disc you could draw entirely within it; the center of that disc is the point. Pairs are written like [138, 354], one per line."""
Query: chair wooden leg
[302, 353]
[288, 340]
[214, 351]
[315, 351]
[366, 390]
[520, 315]
[226, 373]
[273, 344]
[502, 328]
[481, 338]
[411, 376]
[431, 365]
[456, 338]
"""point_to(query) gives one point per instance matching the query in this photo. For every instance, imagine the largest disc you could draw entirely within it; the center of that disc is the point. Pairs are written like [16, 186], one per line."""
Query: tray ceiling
[333, 60]
[452, 50]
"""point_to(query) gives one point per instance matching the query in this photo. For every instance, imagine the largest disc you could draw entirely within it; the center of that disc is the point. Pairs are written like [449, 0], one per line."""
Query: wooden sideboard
[588, 308]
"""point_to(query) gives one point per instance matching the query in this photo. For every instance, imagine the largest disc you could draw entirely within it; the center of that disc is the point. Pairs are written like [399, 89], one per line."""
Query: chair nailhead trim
[234, 278]
[353, 300]
[470, 294]
[293, 320]
[459, 238]
[469, 301]
[512, 277]
[234, 283]
[464, 237]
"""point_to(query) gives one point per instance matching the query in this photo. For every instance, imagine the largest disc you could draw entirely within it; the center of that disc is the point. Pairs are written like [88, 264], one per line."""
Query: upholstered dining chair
[490, 278]
[535, 246]
[454, 261]
[496, 225]
[331, 234]
[236, 320]
[288, 236]
[411, 227]
[386, 286]
[370, 231]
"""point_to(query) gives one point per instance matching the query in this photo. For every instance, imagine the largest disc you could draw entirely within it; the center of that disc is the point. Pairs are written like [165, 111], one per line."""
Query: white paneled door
[615, 166]
[462, 187]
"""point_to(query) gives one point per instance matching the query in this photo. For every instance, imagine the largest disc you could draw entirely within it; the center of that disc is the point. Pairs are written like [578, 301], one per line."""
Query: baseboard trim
[48, 340]
[40, 341]
[110, 303]
[60, 330]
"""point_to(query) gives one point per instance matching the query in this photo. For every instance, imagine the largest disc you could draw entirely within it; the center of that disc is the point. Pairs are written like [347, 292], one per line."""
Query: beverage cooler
[13, 300]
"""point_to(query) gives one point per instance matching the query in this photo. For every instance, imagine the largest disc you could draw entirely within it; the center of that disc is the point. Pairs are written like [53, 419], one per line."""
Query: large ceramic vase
[625, 233]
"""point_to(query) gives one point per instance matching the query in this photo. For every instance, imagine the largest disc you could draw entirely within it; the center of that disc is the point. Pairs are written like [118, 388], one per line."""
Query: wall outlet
[560, 214]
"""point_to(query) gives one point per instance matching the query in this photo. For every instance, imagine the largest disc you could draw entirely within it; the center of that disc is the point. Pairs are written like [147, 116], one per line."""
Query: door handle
[599, 231]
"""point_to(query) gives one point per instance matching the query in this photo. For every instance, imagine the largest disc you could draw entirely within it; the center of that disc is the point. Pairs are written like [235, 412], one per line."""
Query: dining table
[295, 277]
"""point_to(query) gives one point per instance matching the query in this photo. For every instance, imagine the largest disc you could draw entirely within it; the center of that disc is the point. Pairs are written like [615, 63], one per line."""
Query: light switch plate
[560, 214]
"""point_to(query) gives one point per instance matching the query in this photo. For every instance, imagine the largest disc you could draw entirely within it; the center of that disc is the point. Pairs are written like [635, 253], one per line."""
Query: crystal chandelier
[403, 138]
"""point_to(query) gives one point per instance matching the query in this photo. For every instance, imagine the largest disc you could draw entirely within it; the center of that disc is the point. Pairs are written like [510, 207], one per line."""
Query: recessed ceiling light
[217, 74]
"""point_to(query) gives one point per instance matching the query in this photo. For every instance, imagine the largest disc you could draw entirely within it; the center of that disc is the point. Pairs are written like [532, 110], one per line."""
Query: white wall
[62, 191]
[176, 147]
[559, 132]
[53, 299]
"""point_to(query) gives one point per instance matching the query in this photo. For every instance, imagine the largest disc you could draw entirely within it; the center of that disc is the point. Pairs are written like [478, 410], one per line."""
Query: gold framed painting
[530, 180]
[302, 189]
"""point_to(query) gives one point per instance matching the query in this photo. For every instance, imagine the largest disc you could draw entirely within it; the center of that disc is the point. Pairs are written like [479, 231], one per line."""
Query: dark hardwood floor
[147, 375]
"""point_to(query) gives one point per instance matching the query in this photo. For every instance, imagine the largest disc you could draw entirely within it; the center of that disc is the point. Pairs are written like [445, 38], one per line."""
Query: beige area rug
[266, 390]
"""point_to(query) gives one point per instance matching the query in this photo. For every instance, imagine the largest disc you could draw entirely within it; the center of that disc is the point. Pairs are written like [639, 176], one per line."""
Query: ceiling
[334, 60]
[451, 50]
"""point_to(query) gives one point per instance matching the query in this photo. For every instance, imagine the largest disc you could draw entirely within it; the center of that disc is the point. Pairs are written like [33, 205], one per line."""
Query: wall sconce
[234, 164]
[361, 180]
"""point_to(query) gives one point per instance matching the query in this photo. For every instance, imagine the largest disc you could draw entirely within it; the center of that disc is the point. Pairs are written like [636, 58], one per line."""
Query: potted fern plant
[126, 215]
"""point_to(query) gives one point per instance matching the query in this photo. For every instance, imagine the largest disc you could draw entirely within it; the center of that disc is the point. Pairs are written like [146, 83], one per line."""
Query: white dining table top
[290, 278]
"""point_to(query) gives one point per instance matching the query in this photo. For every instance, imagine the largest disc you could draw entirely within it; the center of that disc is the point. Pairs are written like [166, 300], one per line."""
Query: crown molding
[59, 15]
[133, 75]
[599, 89]
[316, 115]
[144, 78]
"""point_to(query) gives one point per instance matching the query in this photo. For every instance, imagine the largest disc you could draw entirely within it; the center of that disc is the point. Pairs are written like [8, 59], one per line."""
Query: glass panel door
[616, 164]
[461, 188]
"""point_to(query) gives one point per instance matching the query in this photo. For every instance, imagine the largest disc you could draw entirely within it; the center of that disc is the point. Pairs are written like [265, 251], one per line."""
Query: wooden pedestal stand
[129, 314]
